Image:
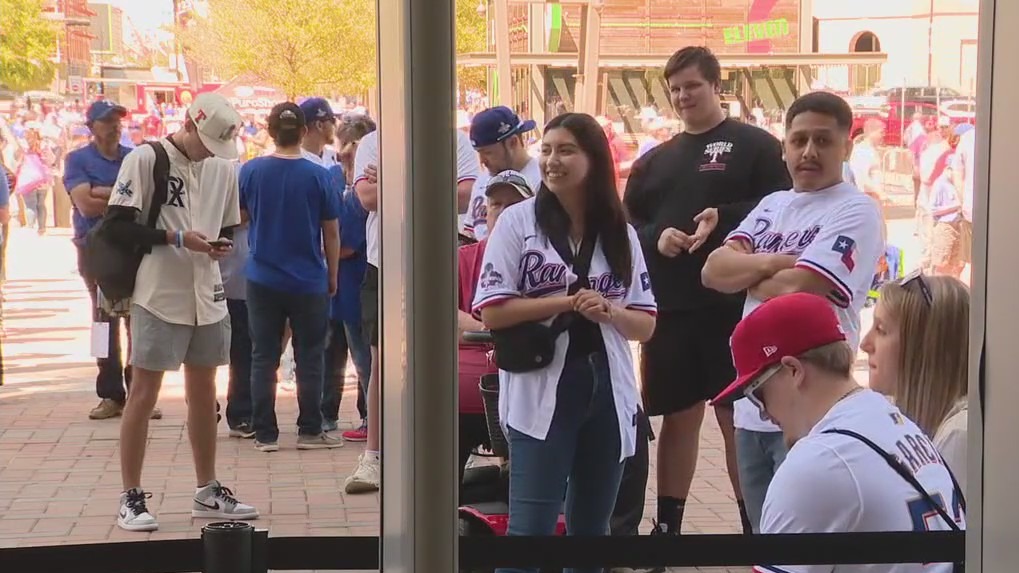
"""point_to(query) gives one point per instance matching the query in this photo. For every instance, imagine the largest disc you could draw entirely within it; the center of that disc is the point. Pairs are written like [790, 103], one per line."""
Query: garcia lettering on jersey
[519, 262]
[832, 483]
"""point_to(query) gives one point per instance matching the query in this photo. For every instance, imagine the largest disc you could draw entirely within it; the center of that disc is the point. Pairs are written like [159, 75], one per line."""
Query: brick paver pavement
[59, 471]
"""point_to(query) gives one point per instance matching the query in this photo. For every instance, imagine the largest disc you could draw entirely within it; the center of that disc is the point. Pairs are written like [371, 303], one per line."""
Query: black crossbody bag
[530, 346]
[958, 567]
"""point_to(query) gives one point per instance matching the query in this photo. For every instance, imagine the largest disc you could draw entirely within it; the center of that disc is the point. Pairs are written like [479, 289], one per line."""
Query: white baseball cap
[217, 124]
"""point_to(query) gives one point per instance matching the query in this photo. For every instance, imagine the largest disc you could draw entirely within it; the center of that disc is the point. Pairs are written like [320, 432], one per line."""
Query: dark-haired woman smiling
[570, 424]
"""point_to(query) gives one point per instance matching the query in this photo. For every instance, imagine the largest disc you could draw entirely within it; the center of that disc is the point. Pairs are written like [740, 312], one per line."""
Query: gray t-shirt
[232, 267]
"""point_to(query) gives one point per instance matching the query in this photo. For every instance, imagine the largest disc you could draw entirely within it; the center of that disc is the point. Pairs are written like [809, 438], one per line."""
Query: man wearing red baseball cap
[855, 462]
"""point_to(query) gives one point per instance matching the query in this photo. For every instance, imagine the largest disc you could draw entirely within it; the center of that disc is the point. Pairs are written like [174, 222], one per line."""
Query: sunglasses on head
[917, 278]
[751, 391]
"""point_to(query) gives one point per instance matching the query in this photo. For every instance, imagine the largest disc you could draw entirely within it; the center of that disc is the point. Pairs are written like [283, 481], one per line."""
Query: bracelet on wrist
[180, 239]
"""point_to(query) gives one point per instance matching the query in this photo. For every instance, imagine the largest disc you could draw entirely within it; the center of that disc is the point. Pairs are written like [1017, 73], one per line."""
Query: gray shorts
[162, 346]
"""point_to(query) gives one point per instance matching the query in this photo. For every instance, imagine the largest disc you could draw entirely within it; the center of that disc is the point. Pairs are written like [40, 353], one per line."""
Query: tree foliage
[27, 44]
[306, 47]
[303, 47]
[471, 36]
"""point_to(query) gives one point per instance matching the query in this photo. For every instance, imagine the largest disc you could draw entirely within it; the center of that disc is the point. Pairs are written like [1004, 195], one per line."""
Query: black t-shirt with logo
[731, 167]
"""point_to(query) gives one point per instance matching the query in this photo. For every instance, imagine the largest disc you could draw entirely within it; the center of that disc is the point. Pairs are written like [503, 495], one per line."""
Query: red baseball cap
[787, 325]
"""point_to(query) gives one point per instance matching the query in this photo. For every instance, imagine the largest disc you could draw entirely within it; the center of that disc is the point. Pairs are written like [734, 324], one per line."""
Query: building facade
[74, 43]
[107, 27]
[928, 42]
[606, 56]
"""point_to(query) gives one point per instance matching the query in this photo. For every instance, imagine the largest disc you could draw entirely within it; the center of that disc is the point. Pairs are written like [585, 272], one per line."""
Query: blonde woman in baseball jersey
[855, 462]
[918, 352]
[570, 424]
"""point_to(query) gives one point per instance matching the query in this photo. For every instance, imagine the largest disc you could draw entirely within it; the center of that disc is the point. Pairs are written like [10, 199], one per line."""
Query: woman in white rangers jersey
[794, 364]
[572, 423]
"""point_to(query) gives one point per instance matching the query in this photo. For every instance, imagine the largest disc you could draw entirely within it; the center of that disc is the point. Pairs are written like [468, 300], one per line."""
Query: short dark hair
[353, 128]
[285, 122]
[824, 103]
[699, 56]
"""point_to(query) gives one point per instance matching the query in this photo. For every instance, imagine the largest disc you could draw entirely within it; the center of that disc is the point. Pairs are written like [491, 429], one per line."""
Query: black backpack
[114, 265]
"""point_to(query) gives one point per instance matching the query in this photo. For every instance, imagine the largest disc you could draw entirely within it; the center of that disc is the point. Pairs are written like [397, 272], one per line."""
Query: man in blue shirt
[89, 175]
[293, 213]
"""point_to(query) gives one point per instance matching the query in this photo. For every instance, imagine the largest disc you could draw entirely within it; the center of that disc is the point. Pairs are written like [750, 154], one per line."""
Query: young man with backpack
[178, 303]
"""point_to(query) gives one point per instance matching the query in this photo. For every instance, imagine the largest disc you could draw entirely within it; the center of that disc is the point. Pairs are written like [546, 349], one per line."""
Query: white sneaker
[134, 515]
[217, 502]
[288, 374]
[367, 475]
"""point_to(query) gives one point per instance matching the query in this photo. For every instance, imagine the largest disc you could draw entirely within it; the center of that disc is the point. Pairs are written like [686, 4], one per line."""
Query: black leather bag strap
[908, 476]
[581, 267]
[161, 180]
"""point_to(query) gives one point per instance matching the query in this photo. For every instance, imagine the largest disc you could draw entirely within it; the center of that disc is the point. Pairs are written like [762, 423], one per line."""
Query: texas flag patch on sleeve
[847, 248]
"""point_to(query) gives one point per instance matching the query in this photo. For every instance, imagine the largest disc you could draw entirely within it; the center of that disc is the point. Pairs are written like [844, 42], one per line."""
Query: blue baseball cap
[496, 124]
[317, 109]
[101, 109]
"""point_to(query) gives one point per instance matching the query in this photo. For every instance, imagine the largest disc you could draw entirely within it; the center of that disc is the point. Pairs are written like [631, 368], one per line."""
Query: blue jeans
[758, 455]
[579, 458]
[238, 390]
[268, 311]
[344, 338]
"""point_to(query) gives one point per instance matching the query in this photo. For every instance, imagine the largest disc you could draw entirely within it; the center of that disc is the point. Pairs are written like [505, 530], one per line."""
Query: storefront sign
[767, 30]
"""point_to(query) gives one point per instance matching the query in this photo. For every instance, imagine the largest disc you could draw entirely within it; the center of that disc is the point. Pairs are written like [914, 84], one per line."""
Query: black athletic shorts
[370, 305]
[688, 360]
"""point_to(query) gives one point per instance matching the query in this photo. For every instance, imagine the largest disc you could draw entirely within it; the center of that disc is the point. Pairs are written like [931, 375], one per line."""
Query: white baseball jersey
[327, 159]
[177, 285]
[368, 154]
[520, 261]
[836, 232]
[477, 211]
[830, 483]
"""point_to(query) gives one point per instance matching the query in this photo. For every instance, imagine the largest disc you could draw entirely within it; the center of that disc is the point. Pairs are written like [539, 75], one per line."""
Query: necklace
[854, 390]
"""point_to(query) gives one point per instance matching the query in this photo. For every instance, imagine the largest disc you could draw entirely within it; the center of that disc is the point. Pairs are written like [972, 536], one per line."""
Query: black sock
[670, 514]
[744, 518]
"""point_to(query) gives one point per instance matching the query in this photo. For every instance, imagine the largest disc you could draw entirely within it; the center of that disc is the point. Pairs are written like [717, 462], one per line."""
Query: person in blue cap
[89, 175]
[497, 134]
[315, 146]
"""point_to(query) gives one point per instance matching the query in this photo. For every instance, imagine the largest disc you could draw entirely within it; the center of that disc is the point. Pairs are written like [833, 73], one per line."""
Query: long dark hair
[603, 211]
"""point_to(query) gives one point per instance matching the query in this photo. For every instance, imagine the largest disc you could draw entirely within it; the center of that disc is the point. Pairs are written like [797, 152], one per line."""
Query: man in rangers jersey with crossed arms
[823, 236]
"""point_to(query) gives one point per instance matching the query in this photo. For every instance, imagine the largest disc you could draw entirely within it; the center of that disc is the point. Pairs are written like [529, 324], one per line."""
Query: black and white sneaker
[217, 502]
[134, 515]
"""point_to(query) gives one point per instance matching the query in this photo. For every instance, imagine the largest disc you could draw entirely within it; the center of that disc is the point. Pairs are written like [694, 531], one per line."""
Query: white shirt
[836, 232]
[521, 262]
[964, 160]
[177, 285]
[368, 154]
[327, 159]
[477, 211]
[830, 483]
[950, 439]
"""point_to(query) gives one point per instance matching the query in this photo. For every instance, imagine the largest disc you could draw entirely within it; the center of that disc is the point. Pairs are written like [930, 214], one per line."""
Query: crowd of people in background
[739, 263]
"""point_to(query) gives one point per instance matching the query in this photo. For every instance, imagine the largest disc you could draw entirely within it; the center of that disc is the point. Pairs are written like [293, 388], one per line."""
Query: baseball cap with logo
[317, 109]
[286, 116]
[512, 179]
[495, 124]
[101, 109]
[788, 325]
[217, 123]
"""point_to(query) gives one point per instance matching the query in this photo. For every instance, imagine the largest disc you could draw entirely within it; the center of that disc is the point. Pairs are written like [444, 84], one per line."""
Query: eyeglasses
[750, 392]
[917, 278]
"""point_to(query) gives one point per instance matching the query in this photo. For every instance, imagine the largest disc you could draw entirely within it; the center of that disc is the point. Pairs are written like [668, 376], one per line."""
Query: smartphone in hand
[221, 243]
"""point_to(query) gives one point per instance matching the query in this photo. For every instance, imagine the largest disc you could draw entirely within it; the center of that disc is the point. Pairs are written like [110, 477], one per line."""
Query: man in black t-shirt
[684, 197]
